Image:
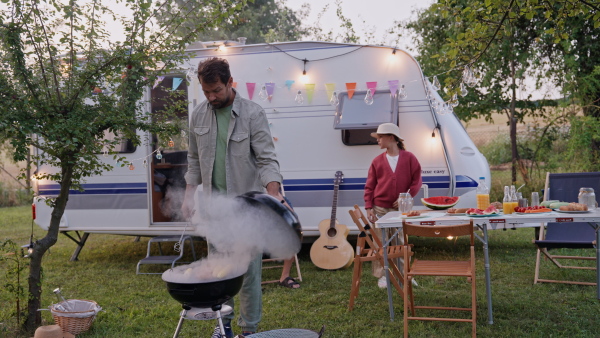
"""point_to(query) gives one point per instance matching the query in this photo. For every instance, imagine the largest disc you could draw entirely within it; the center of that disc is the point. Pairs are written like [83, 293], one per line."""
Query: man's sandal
[290, 283]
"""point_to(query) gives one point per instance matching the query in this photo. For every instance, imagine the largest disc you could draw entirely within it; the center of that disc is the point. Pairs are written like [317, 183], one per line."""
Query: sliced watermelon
[490, 210]
[440, 202]
[475, 211]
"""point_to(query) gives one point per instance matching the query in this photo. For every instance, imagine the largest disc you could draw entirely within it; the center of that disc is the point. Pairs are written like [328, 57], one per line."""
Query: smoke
[235, 227]
[236, 231]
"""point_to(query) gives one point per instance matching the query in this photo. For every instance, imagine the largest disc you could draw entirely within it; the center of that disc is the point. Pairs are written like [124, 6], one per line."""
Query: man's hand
[273, 189]
[187, 207]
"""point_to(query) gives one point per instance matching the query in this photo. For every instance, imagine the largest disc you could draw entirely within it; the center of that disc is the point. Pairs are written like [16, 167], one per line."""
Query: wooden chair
[272, 263]
[369, 248]
[437, 268]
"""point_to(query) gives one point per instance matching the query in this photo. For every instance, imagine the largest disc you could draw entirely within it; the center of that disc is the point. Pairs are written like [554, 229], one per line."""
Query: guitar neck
[336, 188]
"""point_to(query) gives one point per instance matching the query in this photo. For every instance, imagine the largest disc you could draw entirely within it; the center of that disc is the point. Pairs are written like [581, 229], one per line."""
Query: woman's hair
[214, 69]
[400, 143]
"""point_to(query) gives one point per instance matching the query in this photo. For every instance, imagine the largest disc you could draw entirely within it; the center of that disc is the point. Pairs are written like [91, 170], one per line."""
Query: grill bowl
[205, 294]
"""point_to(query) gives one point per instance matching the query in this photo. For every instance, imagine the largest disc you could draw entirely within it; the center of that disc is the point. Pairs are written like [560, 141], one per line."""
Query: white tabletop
[394, 219]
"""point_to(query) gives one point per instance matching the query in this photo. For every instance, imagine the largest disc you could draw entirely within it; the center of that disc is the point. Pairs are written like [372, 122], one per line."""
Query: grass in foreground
[139, 305]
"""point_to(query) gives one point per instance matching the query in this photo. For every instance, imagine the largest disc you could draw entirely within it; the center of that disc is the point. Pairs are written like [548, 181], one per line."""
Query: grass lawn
[139, 305]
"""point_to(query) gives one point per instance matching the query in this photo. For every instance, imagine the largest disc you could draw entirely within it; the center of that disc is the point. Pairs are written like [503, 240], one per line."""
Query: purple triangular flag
[270, 89]
[393, 86]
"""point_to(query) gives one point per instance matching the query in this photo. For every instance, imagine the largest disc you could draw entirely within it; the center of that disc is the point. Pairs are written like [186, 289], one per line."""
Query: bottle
[506, 203]
[483, 195]
[513, 198]
[587, 197]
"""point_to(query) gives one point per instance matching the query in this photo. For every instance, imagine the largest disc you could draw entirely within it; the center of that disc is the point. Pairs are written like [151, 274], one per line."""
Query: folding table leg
[488, 287]
[387, 272]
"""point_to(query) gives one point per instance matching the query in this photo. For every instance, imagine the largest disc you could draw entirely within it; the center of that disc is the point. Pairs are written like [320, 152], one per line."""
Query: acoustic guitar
[331, 251]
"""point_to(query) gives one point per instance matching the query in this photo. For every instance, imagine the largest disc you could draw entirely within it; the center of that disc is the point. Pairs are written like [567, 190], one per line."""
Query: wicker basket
[79, 319]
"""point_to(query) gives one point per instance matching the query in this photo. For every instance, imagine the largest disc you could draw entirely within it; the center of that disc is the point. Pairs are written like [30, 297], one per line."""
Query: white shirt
[393, 161]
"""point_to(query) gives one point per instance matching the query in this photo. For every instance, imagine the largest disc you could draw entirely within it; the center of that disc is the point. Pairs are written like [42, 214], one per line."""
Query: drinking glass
[405, 202]
[535, 199]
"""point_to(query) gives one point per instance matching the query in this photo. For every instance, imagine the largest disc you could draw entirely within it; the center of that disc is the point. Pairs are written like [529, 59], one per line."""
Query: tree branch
[496, 32]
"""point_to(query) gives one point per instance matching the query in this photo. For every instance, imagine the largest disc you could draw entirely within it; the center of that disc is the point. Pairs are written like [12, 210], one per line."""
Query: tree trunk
[513, 124]
[40, 247]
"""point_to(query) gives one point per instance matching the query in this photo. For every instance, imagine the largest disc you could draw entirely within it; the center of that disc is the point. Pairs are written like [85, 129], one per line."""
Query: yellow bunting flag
[330, 88]
[310, 90]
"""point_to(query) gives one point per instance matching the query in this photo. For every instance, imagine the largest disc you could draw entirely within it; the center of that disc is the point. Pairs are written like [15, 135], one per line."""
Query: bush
[11, 196]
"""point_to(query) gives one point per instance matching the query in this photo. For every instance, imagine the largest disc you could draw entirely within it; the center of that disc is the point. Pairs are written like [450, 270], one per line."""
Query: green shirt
[219, 174]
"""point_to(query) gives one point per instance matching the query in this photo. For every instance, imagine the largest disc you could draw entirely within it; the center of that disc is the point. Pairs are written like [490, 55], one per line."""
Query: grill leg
[181, 317]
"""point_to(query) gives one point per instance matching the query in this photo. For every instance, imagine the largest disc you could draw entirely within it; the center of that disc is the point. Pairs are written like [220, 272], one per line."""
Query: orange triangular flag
[234, 84]
[351, 87]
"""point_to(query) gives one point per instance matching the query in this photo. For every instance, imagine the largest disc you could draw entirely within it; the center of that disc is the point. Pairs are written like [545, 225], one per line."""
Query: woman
[391, 173]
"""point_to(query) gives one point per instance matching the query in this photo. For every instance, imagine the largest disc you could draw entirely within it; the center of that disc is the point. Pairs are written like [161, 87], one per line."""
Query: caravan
[322, 101]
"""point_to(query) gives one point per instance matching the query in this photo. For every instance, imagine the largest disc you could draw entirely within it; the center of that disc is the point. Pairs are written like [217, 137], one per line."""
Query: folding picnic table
[394, 220]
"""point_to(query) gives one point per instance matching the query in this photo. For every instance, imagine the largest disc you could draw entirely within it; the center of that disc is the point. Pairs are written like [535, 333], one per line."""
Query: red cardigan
[383, 185]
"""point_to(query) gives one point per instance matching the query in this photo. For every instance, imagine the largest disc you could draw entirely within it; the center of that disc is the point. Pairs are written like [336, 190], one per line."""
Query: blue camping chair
[565, 187]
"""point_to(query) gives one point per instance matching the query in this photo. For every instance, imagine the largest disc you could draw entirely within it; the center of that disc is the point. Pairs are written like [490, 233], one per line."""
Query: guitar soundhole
[331, 232]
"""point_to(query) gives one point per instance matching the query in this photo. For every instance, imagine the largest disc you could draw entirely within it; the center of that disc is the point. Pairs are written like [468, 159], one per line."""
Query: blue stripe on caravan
[97, 192]
[329, 181]
[98, 185]
[98, 189]
[324, 184]
[463, 181]
[322, 187]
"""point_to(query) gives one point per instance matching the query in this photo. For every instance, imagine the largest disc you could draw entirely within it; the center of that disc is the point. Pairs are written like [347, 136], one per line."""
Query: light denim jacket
[251, 162]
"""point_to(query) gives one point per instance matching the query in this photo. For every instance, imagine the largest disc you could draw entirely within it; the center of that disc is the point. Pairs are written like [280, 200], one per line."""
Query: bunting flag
[330, 88]
[351, 87]
[270, 89]
[310, 90]
[176, 82]
[289, 83]
[393, 86]
[96, 91]
[372, 86]
[250, 86]
[158, 80]
[234, 84]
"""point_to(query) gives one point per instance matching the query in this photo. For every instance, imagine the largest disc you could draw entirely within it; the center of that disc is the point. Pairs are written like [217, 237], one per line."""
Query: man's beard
[218, 104]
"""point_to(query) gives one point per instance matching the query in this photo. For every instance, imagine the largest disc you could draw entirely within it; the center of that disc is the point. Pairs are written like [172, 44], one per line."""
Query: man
[231, 152]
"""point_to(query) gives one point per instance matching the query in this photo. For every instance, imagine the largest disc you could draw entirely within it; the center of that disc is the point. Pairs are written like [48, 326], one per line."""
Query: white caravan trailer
[316, 96]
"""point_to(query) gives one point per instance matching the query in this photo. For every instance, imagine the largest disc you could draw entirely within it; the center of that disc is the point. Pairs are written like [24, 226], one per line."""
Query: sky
[365, 15]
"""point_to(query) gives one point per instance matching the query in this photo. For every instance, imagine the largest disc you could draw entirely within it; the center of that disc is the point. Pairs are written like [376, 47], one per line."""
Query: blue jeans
[250, 298]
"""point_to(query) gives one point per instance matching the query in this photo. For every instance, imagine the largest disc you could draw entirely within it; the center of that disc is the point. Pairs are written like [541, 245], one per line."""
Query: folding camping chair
[565, 235]
[369, 248]
[450, 268]
[565, 187]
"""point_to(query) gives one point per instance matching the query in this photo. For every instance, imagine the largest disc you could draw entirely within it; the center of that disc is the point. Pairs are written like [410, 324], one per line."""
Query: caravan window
[354, 113]
[358, 137]
[125, 145]
[170, 101]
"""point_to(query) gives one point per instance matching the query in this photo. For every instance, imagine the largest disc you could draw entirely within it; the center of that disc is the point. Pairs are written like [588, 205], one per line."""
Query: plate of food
[419, 216]
[414, 214]
[491, 211]
[484, 215]
[572, 211]
[456, 212]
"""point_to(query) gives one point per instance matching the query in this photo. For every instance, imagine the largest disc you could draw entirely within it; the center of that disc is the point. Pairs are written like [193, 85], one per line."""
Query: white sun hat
[388, 128]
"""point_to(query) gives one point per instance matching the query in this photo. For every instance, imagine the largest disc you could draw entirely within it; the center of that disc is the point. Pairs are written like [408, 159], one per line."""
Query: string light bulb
[304, 77]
